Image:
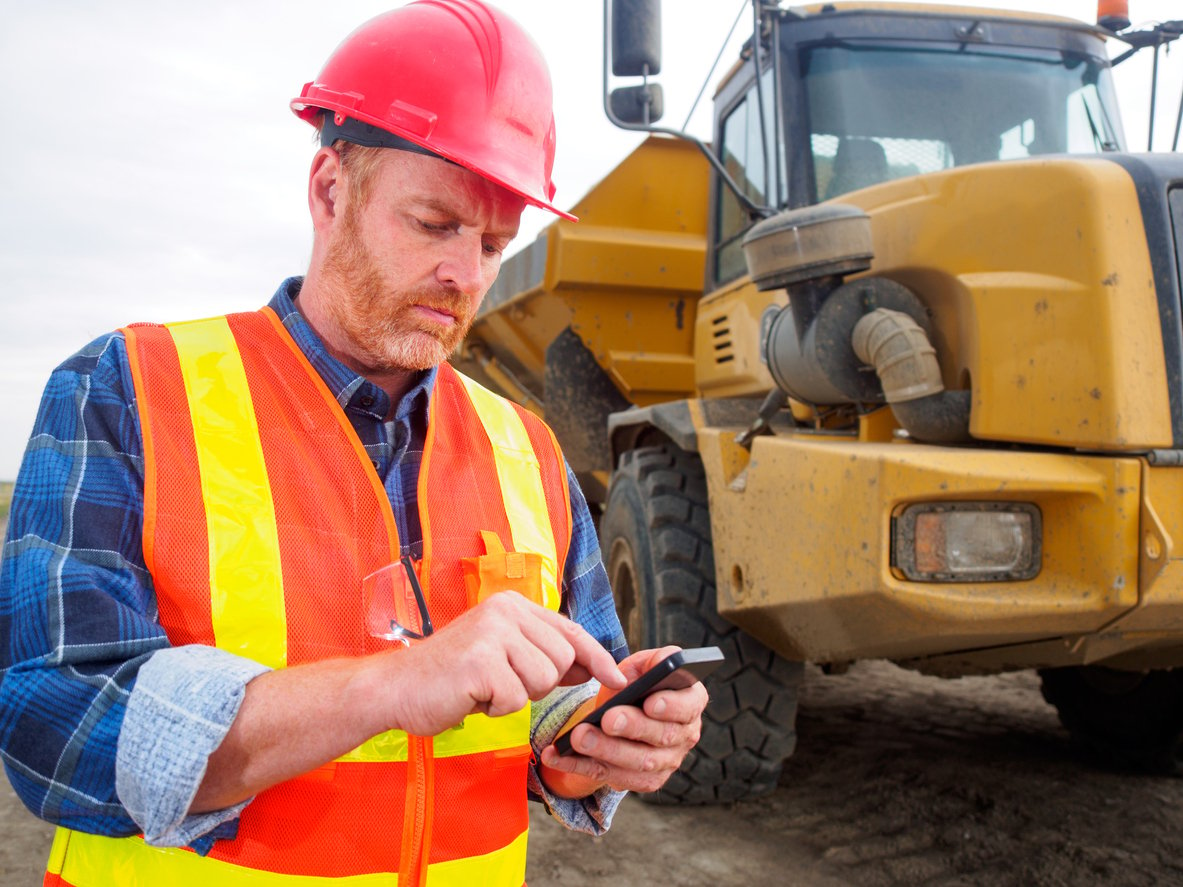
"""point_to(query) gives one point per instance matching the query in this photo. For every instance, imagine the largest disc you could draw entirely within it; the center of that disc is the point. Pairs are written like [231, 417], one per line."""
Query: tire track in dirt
[903, 779]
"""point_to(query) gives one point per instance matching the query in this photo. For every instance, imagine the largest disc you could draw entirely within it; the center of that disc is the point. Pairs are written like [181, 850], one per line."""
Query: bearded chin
[403, 349]
[381, 324]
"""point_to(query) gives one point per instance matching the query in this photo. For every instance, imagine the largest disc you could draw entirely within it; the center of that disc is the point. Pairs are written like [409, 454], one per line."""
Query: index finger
[643, 660]
[591, 659]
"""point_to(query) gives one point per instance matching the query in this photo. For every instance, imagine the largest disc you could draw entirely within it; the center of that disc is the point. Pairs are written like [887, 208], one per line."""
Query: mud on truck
[892, 368]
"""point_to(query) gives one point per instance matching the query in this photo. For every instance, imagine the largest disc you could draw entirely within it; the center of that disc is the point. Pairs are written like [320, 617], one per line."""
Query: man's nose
[463, 265]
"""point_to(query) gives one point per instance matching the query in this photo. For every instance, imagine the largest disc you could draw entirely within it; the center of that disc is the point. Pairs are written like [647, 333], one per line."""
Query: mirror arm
[755, 210]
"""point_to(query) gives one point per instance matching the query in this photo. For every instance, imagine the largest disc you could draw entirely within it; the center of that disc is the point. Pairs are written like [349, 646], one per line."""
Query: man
[197, 648]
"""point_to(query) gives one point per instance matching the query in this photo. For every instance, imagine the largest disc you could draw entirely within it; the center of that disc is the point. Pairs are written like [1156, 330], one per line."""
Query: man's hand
[493, 660]
[635, 749]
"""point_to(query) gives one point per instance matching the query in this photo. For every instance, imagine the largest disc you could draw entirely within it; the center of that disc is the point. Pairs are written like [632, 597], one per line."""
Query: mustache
[455, 307]
[454, 303]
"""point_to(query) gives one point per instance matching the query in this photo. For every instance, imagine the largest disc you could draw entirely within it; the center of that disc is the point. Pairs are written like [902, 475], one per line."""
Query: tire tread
[749, 725]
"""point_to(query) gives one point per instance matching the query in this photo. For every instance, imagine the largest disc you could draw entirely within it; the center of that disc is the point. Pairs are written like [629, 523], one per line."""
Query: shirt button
[374, 462]
[366, 401]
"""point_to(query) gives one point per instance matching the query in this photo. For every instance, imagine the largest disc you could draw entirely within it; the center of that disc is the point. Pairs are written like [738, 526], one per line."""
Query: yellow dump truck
[893, 368]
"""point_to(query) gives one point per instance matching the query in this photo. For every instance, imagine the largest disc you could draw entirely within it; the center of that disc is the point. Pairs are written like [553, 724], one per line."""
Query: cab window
[751, 167]
[881, 112]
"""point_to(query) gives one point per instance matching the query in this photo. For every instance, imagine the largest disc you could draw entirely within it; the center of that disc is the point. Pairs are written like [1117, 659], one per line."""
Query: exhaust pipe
[906, 364]
[818, 348]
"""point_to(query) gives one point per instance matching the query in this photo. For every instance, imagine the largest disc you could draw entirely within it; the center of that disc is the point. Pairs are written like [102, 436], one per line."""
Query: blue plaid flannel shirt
[90, 685]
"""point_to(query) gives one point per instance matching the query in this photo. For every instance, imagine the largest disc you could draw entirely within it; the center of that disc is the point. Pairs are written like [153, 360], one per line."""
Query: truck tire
[655, 537]
[1129, 719]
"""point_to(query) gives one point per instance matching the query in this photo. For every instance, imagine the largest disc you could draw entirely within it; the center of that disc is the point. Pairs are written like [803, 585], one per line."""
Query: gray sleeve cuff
[181, 707]
[594, 813]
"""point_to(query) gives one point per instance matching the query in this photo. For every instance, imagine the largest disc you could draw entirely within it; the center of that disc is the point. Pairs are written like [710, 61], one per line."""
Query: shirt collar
[353, 392]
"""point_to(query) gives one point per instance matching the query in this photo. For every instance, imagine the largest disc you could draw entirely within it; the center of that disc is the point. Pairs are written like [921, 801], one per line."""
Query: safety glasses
[396, 609]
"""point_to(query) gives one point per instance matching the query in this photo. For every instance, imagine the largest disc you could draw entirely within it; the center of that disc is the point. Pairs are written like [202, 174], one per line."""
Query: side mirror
[637, 104]
[636, 37]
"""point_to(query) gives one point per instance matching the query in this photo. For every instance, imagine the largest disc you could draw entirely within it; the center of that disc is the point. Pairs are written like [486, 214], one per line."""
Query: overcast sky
[152, 170]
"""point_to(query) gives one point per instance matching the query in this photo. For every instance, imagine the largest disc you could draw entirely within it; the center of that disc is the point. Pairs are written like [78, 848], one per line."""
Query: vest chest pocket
[499, 570]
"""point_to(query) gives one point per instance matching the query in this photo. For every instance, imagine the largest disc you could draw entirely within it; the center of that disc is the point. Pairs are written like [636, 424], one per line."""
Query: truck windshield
[877, 113]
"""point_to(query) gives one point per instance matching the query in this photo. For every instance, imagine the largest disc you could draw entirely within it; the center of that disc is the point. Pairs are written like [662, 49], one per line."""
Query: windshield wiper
[1104, 144]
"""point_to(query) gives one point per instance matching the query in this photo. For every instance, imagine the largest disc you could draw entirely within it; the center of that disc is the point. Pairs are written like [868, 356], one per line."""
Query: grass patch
[5, 498]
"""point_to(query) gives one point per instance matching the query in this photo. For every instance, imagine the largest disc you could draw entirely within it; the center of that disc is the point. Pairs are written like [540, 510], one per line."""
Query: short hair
[359, 165]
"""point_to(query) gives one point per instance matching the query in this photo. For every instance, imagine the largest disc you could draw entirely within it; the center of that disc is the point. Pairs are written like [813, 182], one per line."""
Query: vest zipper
[419, 813]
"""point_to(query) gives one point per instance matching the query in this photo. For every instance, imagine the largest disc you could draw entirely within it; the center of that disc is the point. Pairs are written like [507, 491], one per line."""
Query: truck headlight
[968, 541]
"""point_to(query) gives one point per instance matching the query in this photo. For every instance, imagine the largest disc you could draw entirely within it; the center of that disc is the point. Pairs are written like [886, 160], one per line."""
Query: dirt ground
[898, 779]
[901, 779]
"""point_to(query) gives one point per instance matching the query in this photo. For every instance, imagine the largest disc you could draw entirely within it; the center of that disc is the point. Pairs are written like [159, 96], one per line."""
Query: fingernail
[589, 742]
[659, 707]
[618, 723]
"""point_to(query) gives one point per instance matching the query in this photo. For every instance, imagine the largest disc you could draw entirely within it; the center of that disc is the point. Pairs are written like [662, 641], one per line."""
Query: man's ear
[323, 189]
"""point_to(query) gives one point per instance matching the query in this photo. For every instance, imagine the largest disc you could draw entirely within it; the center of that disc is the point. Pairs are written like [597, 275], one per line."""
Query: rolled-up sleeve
[183, 704]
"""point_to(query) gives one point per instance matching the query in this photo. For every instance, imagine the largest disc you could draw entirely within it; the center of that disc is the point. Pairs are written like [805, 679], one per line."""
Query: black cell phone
[676, 672]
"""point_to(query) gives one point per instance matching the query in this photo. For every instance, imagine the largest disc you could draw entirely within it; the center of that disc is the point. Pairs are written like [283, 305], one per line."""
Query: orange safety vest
[262, 515]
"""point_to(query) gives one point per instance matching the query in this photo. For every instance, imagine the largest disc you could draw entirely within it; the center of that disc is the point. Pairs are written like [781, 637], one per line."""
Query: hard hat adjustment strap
[359, 133]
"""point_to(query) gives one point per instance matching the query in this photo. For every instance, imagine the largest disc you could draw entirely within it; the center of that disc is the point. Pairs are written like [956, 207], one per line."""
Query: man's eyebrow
[434, 204]
[448, 211]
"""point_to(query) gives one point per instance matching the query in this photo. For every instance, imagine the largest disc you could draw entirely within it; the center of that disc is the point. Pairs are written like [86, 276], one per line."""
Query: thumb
[635, 666]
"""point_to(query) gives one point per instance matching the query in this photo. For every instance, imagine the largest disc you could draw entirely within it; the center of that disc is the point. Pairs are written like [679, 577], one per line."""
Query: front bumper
[802, 543]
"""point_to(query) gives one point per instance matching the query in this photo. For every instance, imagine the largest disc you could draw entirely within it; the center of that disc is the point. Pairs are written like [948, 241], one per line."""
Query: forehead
[431, 182]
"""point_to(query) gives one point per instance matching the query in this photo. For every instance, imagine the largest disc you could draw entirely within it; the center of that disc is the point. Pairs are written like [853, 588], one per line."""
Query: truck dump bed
[626, 281]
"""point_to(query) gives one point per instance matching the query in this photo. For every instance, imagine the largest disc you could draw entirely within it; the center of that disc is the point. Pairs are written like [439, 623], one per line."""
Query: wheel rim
[622, 573]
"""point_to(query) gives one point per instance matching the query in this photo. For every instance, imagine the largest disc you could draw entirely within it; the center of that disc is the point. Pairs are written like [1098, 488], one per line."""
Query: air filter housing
[808, 244]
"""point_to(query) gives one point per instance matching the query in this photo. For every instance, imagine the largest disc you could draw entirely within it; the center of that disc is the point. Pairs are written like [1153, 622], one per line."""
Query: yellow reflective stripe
[246, 580]
[97, 861]
[480, 733]
[506, 866]
[57, 853]
[520, 477]
[385, 747]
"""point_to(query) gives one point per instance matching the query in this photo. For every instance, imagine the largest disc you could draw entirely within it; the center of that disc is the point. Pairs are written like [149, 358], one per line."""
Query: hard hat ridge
[483, 27]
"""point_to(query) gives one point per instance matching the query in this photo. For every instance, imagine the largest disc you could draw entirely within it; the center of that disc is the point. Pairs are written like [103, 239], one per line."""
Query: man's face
[407, 269]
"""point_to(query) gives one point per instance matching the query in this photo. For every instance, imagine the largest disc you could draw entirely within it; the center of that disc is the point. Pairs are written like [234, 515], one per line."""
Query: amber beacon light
[1113, 14]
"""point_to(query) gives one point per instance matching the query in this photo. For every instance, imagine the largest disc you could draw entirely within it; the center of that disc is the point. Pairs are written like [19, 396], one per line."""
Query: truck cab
[859, 94]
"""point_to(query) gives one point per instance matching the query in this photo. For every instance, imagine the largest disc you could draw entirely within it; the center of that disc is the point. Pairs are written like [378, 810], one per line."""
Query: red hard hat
[456, 77]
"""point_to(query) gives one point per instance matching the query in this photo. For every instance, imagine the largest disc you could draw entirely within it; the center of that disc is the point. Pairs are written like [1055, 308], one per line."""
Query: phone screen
[676, 672]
